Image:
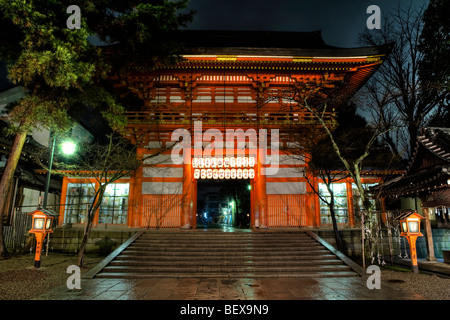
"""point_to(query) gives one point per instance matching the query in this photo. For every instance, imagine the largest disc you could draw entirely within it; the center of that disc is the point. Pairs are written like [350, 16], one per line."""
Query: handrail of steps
[353, 265]
[93, 272]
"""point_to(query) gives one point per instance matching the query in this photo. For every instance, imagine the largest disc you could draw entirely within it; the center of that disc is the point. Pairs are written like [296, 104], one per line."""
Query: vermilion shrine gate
[235, 85]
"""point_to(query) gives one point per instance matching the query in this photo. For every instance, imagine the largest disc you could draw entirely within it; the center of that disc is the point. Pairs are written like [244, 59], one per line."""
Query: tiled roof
[419, 179]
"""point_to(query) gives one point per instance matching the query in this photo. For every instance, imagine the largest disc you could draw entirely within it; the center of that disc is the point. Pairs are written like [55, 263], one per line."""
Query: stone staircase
[214, 253]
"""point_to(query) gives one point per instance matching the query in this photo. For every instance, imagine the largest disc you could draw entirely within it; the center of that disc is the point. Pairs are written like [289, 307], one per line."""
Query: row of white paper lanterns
[227, 162]
[224, 173]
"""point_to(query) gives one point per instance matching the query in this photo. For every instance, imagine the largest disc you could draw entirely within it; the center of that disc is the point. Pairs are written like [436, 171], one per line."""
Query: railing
[148, 117]
[15, 230]
[16, 235]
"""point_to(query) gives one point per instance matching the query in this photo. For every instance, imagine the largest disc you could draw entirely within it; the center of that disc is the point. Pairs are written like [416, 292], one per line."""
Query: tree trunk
[90, 220]
[5, 184]
[337, 235]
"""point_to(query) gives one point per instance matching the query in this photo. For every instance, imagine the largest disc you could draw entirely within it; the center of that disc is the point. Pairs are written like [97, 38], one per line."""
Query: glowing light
[68, 147]
[239, 173]
[239, 162]
[251, 161]
[39, 223]
[232, 162]
[205, 168]
[195, 163]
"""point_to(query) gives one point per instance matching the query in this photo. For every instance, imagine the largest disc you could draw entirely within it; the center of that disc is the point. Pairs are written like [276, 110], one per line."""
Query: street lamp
[410, 229]
[67, 147]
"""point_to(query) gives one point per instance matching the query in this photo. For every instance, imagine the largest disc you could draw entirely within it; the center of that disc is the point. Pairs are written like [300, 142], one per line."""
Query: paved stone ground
[354, 288]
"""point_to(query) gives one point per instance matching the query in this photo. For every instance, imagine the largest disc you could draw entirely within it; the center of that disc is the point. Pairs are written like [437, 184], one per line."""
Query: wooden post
[413, 252]
[37, 256]
[429, 237]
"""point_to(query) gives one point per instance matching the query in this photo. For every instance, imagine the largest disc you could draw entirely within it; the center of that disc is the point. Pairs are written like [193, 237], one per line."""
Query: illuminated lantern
[196, 173]
[251, 161]
[213, 163]
[233, 173]
[232, 162]
[245, 173]
[215, 174]
[410, 227]
[227, 174]
[42, 220]
[221, 173]
[239, 162]
[207, 163]
[226, 162]
[195, 163]
[209, 173]
[245, 164]
[220, 162]
[251, 173]
[201, 163]
[239, 173]
[203, 174]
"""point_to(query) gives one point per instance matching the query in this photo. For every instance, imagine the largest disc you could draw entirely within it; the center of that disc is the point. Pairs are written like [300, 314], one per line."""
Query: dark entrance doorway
[223, 204]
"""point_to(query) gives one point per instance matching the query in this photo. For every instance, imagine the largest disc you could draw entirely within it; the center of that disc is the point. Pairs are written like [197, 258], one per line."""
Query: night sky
[340, 20]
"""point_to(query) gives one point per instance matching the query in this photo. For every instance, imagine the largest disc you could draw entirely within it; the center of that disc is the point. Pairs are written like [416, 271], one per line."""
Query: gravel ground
[19, 280]
[431, 287]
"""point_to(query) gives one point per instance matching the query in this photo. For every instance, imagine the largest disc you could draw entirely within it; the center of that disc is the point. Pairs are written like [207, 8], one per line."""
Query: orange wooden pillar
[260, 196]
[136, 212]
[252, 204]
[186, 203]
[63, 201]
[350, 203]
[312, 201]
[193, 218]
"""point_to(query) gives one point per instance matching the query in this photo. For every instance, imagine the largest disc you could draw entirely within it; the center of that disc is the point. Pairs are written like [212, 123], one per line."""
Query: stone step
[127, 256]
[225, 254]
[112, 275]
[216, 253]
[225, 236]
[225, 248]
[233, 262]
[275, 270]
[266, 243]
